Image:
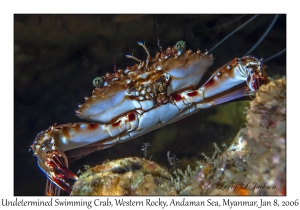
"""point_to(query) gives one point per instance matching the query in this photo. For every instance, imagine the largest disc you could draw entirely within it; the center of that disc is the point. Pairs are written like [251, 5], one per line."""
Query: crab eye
[98, 82]
[180, 46]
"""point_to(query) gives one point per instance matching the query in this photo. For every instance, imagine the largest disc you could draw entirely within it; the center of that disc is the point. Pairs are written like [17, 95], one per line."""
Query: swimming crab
[129, 103]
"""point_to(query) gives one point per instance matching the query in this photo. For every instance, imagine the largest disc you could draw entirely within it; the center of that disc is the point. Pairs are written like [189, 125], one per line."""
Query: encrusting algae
[254, 163]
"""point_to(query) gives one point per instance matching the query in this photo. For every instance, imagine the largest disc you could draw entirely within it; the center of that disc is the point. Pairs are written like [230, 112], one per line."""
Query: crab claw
[257, 75]
[52, 161]
[55, 167]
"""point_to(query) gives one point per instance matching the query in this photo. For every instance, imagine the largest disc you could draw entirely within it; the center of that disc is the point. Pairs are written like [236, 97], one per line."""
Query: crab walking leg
[234, 94]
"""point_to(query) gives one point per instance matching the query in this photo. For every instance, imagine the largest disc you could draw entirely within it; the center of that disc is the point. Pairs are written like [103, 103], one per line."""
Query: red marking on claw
[192, 94]
[177, 97]
[131, 116]
[116, 124]
[92, 126]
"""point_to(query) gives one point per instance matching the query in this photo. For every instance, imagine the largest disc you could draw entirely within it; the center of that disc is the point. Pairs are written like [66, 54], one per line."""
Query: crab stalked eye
[180, 46]
[98, 82]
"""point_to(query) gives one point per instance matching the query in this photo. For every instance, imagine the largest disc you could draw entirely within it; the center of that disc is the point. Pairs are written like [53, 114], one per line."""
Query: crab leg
[54, 162]
[70, 136]
[218, 88]
[226, 97]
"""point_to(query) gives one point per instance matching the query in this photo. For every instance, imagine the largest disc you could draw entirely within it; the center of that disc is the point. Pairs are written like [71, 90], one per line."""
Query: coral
[254, 163]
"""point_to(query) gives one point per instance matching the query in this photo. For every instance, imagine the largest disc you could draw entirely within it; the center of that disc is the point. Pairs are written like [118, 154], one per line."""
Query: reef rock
[127, 176]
